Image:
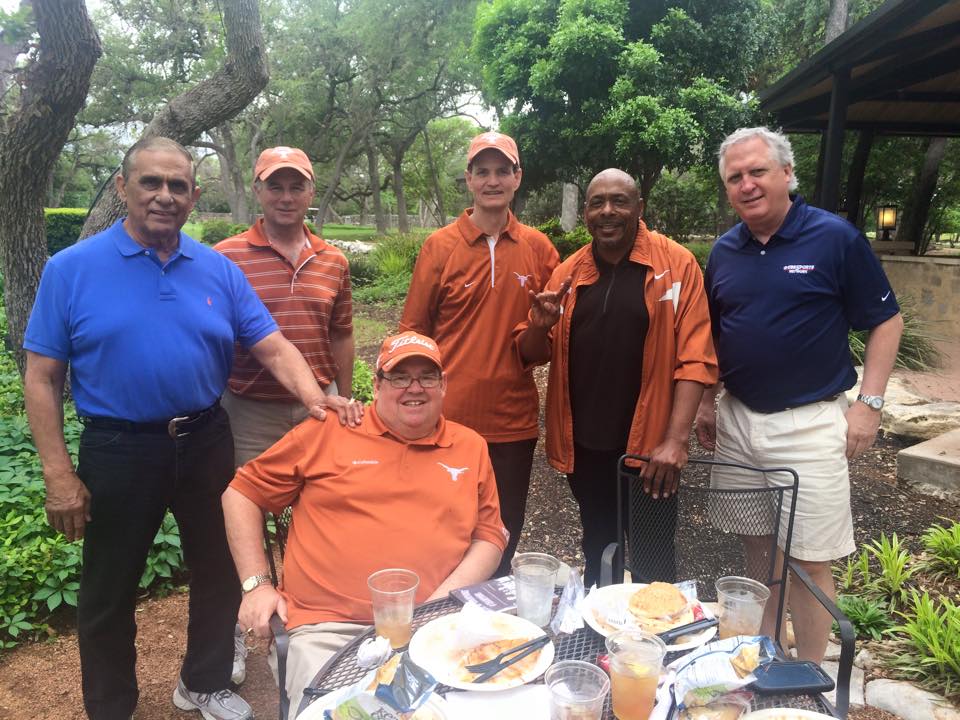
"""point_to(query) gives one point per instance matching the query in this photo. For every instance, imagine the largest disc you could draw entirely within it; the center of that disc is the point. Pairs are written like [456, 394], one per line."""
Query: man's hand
[258, 606]
[67, 504]
[350, 412]
[706, 427]
[862, 425]
[661, 476]
[545, 306]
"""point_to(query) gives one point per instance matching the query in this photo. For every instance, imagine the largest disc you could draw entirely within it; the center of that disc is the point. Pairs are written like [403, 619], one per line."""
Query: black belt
[830, 398]
[174, 427]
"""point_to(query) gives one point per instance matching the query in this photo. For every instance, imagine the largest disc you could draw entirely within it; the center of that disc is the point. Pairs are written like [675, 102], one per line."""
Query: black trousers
[512, 462]
[651, 536]
[133, 478]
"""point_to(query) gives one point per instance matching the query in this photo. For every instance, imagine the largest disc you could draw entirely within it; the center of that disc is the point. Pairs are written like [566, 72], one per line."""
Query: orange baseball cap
[494, 141]
[407, 344]
[272, 159]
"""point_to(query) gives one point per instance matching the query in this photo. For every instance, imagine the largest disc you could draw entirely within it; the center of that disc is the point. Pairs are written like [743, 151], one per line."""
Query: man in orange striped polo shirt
[470, 288]
[305, 284]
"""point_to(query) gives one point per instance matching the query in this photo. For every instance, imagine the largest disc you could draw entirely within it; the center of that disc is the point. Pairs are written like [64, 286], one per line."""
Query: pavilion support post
[836, 124]
[858, 167]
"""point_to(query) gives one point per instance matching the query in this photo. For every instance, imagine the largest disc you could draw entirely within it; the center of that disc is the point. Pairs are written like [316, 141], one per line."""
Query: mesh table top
[584, 644]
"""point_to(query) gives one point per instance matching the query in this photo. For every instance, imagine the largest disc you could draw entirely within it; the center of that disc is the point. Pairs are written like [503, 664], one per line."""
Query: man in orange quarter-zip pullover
[470, 288]
[625, 325]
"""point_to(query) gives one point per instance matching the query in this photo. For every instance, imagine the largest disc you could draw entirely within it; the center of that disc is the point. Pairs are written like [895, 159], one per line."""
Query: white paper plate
[431, 648]
[625, 591]
[314, 711]
[786, 714]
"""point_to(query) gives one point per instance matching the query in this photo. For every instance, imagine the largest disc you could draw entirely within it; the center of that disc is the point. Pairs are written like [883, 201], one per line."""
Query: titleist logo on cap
[411, 340]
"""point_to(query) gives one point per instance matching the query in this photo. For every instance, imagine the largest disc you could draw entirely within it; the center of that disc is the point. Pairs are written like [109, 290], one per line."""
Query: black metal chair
[280, 527]
[698, 535]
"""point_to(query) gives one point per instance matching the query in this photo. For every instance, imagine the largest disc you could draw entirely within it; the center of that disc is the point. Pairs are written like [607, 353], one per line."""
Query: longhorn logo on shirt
[522, 278]
[455, 473]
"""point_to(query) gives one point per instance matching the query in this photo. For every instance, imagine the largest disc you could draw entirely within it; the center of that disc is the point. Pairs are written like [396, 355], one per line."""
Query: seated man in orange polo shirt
[406, 488]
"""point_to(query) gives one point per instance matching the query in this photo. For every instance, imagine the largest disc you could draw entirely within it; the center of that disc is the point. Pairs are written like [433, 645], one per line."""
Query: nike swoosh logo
[885, 296]
[657, 277]
[469, 283]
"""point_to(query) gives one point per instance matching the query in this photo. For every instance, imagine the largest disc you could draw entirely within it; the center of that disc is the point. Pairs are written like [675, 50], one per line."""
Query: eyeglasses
[402, 382]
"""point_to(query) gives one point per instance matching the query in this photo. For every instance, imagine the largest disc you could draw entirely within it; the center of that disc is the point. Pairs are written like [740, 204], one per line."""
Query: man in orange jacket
[625, 326]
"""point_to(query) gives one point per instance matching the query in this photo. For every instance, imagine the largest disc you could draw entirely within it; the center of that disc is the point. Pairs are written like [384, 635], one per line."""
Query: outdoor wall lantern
[886, 220]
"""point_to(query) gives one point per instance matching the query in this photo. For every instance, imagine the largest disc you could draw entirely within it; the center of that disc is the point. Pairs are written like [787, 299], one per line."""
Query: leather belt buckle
[172, 426]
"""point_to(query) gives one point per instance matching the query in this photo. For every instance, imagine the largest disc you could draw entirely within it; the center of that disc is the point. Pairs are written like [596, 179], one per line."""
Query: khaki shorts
[811, 439]
[258, 424]
[311, 646]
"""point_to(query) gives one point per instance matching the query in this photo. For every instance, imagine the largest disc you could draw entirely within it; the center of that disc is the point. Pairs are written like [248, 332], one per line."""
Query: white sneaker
[239, 673]
[220, 705]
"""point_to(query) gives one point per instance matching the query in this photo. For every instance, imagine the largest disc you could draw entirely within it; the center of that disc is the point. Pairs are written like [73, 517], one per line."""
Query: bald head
[617, 176]
[612, 213]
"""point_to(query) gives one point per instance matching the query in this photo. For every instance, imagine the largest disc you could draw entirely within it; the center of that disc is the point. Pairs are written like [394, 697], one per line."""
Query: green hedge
[63, 227]
[213, 231]
[566, 243]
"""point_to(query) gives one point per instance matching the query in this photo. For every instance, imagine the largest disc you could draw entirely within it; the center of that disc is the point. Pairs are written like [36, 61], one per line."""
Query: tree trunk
[915, 217]
[373, 177]
[231, 176]
[858, 166]
[437, 190]
[836, 20]
[210, 102]
[55, 85]
[324, 204]
[569, 205]
[403, 222]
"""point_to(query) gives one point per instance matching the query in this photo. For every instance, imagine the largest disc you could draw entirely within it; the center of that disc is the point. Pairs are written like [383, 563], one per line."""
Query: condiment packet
[569, 615]
[373, 652]
[475, 626]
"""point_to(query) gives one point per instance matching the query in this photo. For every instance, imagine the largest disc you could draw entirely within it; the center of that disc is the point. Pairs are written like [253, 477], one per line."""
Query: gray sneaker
[239, 673]
[220, 705]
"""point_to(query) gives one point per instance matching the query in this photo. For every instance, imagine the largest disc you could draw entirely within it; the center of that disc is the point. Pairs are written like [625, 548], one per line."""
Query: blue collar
[788, 231]
[128, 247]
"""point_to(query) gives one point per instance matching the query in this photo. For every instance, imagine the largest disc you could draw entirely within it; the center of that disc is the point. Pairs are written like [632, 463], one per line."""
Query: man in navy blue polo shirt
[147, 318]
[785, 286]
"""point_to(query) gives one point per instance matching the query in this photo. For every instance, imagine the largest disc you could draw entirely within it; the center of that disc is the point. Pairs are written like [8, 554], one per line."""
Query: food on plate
[488, 651]
[660, 606]
[716, 711]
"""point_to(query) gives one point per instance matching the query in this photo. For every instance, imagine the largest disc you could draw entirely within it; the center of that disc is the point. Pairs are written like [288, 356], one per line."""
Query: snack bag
[394, 692]
[712, 672]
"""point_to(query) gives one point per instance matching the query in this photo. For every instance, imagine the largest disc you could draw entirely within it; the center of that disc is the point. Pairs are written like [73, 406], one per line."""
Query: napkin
[527, 702]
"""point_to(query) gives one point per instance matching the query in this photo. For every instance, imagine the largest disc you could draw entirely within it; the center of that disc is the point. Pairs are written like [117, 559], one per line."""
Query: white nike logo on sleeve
[469, 284]
[657, 277]
[885, 296]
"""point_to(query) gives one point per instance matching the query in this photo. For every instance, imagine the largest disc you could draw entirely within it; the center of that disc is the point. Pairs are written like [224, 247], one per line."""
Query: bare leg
[757, 549]
[811, 622]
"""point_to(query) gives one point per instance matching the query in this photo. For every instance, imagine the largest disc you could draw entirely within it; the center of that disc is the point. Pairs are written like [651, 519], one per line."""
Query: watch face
[875, 402]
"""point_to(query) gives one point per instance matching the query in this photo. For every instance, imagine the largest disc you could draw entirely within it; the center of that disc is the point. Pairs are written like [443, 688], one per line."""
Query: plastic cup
[393, 592]
[741, 602]
[577, 690]
[534, 577]
[636, 658]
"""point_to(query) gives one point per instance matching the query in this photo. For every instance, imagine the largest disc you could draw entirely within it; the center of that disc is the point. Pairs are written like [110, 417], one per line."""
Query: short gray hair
[156, 142]
[780, 149]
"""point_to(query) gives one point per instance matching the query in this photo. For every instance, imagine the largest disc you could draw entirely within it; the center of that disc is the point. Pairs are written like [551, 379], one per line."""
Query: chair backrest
[702, 533]
[279, 527]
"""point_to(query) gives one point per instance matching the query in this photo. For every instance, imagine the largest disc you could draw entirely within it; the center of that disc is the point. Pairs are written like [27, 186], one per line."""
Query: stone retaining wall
[934, 285]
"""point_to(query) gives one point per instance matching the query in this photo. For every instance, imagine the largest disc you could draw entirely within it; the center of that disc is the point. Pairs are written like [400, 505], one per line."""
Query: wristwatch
[874, 402]
[253, 582]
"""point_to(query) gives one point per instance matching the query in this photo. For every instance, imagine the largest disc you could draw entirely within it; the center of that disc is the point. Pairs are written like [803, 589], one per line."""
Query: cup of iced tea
[577, 690]
[393, 592]
[741, 602]
[534, 575]
[636, 658]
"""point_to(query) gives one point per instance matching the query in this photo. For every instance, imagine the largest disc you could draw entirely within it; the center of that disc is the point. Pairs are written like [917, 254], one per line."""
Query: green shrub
[701, 251]
[566, 243]
[216, 230]
[930, 653]
[870, 619]
[396, 253]
[683, 205]
[916, 352]
[362, 381]
[943, 550]
[385, 289]
[894, 577]
[362, 270]
[63, 227]
[552, 229]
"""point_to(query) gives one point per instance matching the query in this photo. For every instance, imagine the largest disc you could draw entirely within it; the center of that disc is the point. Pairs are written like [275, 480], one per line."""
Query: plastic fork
[489, 668]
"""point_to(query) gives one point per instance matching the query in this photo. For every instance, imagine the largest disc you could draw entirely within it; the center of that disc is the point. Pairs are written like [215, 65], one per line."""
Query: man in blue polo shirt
[785, 286]
[147, 318]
